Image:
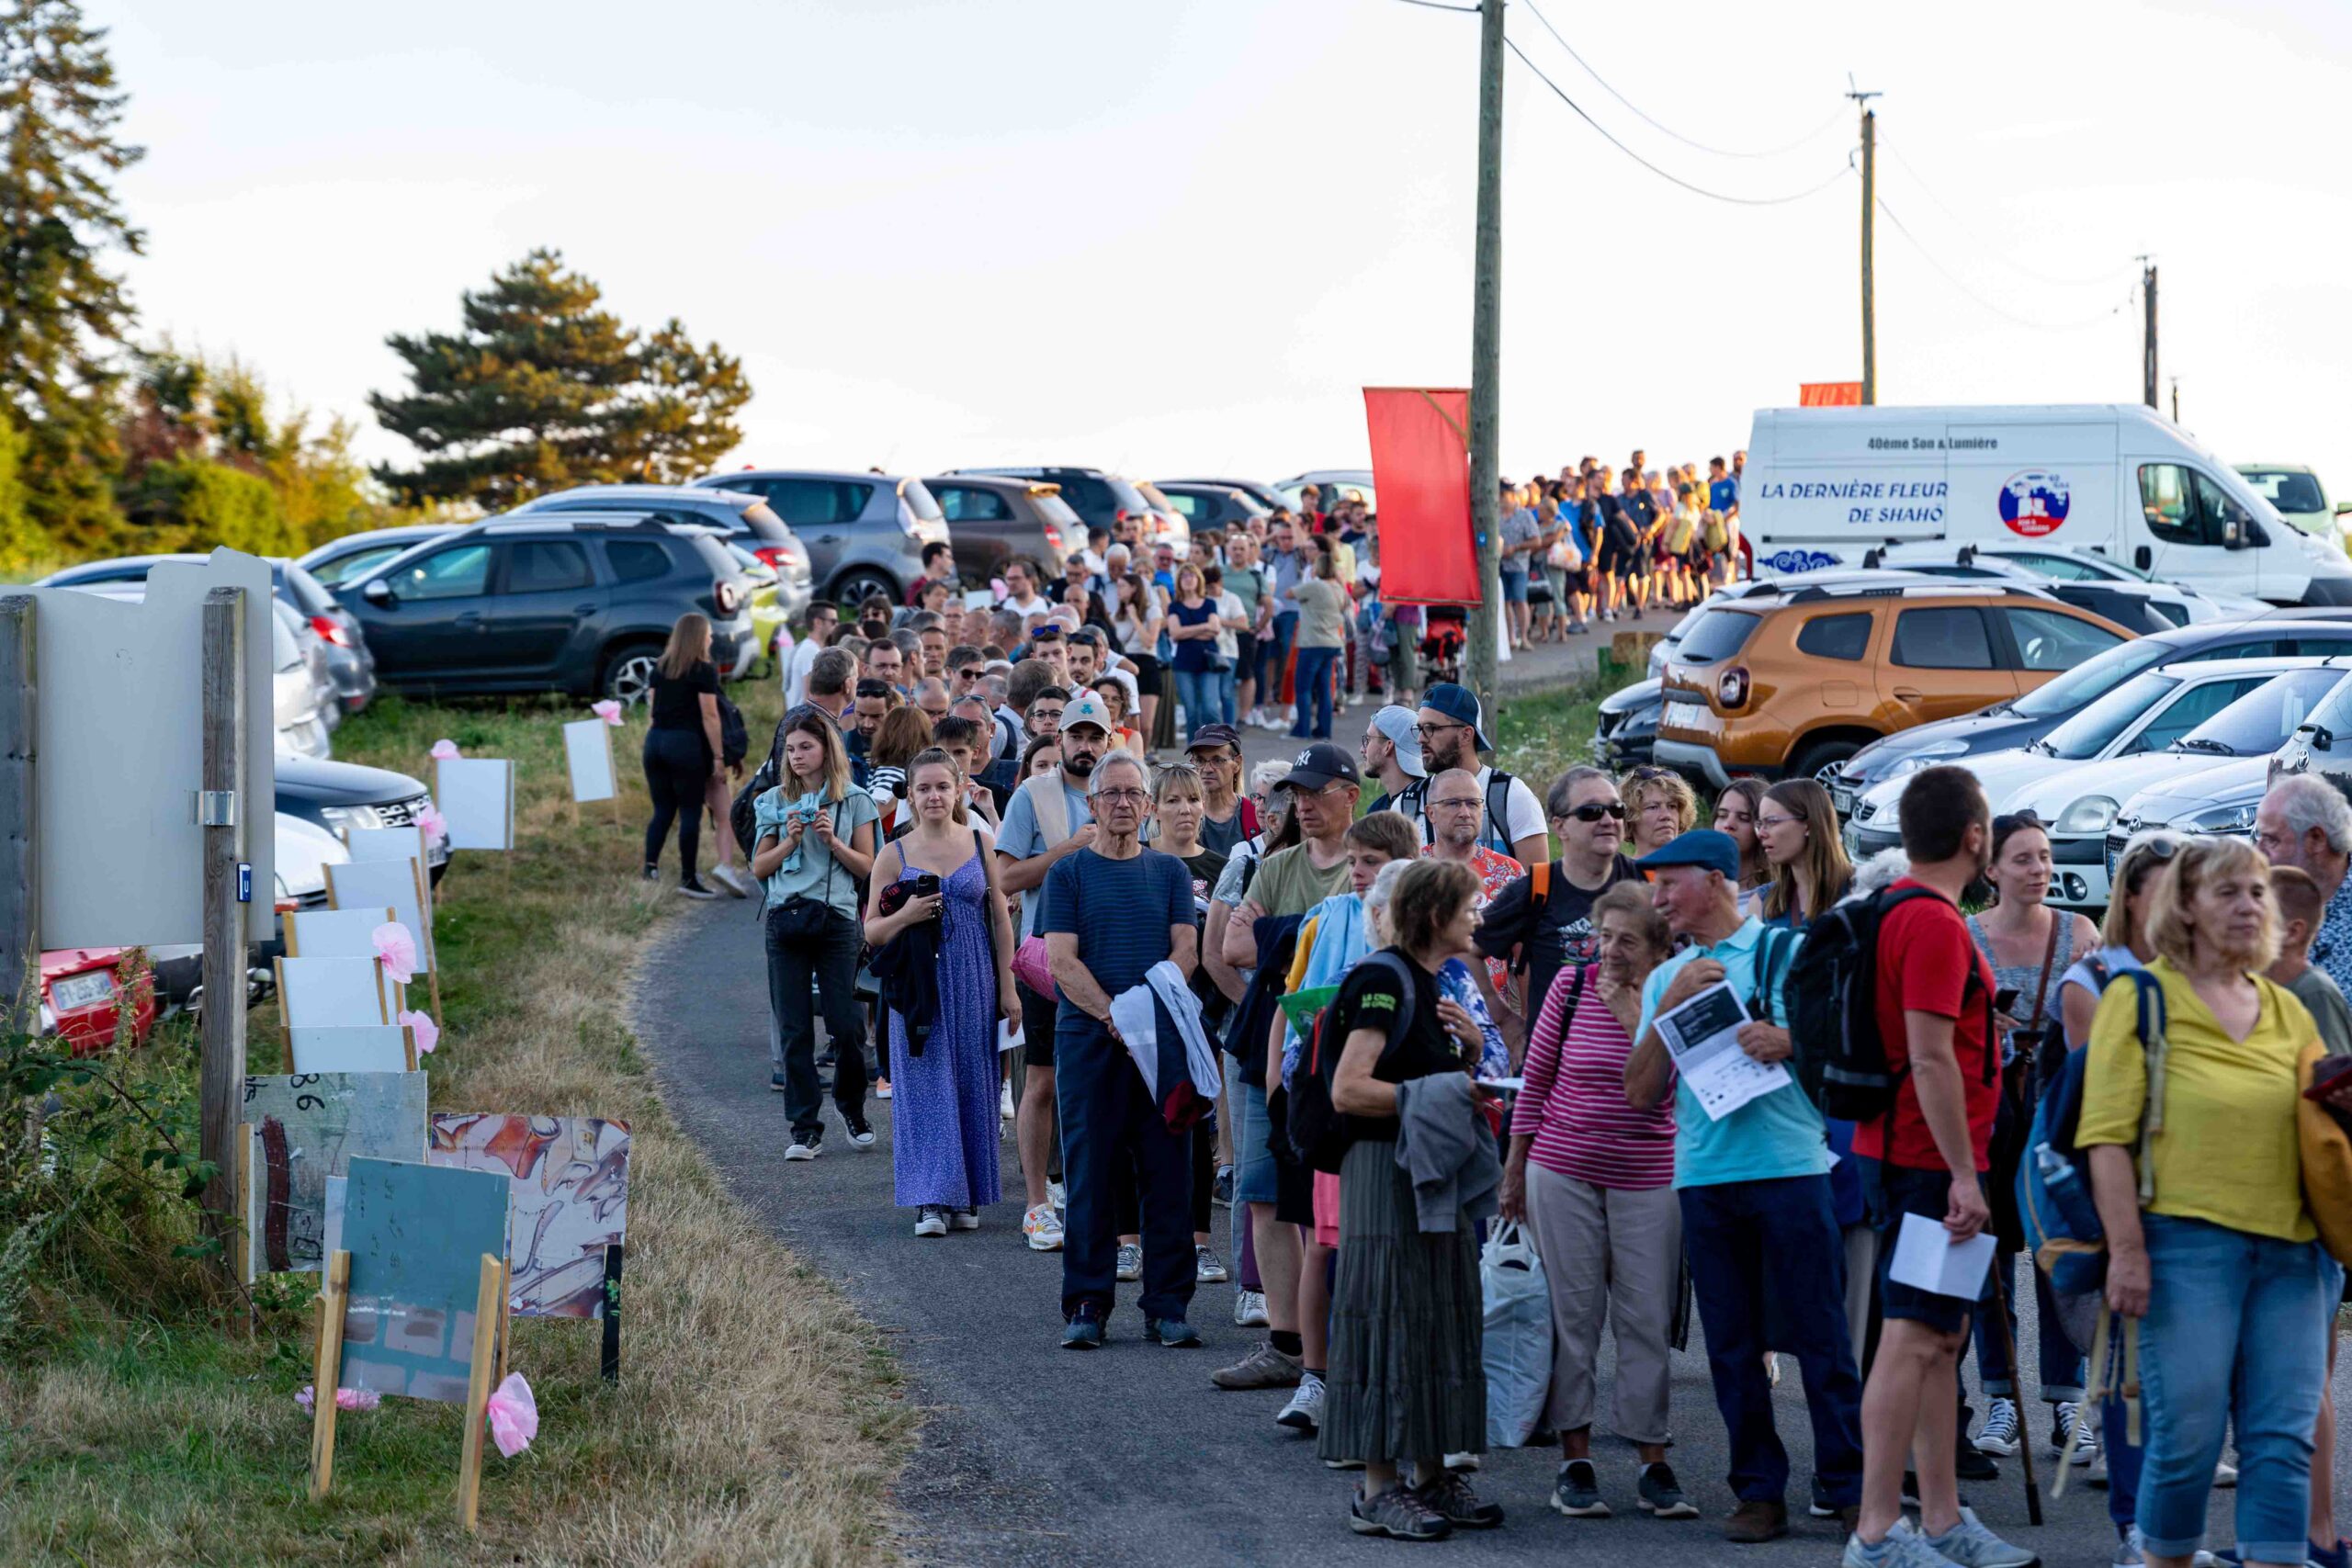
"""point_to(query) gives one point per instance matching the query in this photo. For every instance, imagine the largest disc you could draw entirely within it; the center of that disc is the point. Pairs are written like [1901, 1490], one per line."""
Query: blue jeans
[1226, 679]
[1107, 1119]
[1272, 649]
[1751, 1241]
[2061, 1364]
[1196, 694]
[1314, 684]
[2234, 1336]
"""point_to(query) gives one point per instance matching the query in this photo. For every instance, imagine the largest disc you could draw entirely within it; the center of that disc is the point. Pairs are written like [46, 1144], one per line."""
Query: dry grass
[758, 1418]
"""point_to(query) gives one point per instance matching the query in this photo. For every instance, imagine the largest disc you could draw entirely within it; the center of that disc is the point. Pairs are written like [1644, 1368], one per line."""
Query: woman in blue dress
[943, 1115]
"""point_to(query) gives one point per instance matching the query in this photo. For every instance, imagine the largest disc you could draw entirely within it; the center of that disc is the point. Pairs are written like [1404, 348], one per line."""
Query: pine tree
[62, 315]
[541, 388]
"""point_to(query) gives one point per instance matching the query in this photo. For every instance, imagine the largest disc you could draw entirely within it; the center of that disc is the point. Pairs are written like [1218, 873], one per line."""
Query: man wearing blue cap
[1453, 733]
[1758, 1223]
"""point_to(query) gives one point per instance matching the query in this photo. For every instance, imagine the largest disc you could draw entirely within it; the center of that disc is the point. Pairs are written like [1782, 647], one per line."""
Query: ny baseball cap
[1087, 709]
[1319, 765]
[1458, 704]
[1395, 724]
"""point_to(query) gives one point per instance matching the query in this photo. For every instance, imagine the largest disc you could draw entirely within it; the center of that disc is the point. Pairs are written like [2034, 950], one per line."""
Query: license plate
[80, 990]
[1843, 799]
[1682, 716]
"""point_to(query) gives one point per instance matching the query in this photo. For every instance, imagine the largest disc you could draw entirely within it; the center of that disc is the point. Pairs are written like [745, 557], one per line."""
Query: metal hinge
[216, 808]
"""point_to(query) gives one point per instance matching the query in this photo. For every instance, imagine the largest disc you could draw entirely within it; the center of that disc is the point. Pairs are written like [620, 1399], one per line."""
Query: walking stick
[2025, 1448]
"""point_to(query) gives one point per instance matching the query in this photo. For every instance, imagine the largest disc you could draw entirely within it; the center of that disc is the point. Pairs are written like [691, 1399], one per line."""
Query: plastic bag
[1519, 1336]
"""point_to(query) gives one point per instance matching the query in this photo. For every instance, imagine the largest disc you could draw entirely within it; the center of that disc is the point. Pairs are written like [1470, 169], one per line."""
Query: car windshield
[2091, 731]
[2259, 722]
[2286, 489]
[1718, 633]
[2087, 680]
[358, 563]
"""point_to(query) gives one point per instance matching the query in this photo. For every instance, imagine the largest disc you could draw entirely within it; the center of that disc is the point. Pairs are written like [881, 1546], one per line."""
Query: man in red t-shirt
[1934, 993]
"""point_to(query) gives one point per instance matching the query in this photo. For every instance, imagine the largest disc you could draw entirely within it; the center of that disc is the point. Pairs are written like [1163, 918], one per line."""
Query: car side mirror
[2233, 535]
[376, 591]
[2144, 558]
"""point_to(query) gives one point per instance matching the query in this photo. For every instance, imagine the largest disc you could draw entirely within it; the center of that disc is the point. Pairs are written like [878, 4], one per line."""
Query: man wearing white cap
[1391, 757]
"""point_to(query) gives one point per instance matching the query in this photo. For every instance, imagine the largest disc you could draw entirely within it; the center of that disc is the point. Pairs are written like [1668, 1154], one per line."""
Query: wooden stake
[487, 1304]
[505, 1319]
[241, 1243]
[612, 1356]
[221, 1070]
[19, 818]
[327, 1371]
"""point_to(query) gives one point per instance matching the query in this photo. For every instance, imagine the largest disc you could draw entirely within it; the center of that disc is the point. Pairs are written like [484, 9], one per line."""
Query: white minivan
[1823, 486]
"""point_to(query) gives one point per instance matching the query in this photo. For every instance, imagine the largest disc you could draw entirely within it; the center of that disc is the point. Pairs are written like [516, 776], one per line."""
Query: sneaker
[735, 882]
[805, 1145]
[881, 1088]
[1999, 1433]
[1971, 1463]
[964, 1219]
[2096, 1474]
[1343, 1464]
[776, 1082]
[692, 888]
[1084, 1329]
[1773, 1368]
[1464, 1461]
[1221, 1191]
[1208, 1269]
[931, 1220]
[1130, 1260]
[861, 1132]
[1755, 1521]
[1903, 1547]
[1249, 1309]
[1304, 1411]
[650, 873]
[1057, 1195]
[1398, 1514]
[1041, 1229]
[1004, 1106]
[1173, 1332]
[2225, 1475]
[1264, 1367]
[1449, 1497]
[2131, 1551]
[1971, 1545]
[1821, 1507]
[1577, 1493]
[2070, 1436]
[1658, 1493]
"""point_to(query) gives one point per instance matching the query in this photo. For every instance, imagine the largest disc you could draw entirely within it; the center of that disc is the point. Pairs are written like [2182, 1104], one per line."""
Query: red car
[82, 992]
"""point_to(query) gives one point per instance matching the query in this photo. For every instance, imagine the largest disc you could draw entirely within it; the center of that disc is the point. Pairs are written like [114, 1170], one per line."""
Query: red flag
[1421, 470]
[1829, 394]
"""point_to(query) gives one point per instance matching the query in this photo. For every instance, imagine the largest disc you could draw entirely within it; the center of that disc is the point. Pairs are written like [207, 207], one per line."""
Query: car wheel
[628, 672]
[852, 587]
[1820, 760]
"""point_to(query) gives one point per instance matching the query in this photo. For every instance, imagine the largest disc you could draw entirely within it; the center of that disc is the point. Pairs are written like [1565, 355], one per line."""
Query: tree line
[111, 441]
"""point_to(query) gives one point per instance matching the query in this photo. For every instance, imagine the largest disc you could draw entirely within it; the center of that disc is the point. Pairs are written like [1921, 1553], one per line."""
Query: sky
[1179, 237]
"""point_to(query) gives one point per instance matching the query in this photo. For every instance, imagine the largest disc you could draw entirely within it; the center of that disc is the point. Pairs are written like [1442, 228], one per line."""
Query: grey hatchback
[864, 532]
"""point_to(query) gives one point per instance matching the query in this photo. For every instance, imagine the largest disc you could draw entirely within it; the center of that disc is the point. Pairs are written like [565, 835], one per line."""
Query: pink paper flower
[514, 1416]
[445, 748]
[436, 826]
[609, 710]
[397, 950]
[427, 1033]
[345, 1399]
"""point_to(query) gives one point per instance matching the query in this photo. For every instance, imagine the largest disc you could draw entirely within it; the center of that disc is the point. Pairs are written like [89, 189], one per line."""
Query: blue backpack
[2062, 1222]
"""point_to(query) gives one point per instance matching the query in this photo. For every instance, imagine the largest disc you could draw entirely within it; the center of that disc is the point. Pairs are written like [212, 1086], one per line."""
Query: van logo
[2034, 503]
[1798, 560]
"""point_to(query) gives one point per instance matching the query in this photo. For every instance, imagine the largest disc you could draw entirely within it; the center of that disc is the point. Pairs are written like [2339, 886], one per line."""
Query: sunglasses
[1593, 812]
[972, 674]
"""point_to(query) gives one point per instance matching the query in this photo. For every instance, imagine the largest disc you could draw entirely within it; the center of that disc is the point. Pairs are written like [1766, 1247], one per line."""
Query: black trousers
[830, 957]
[1127, 1210]
[1108, 1120]
[677, 766]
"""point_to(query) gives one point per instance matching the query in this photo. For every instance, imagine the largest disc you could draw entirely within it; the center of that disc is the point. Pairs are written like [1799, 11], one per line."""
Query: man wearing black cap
[1226, 818]
[1451, 737]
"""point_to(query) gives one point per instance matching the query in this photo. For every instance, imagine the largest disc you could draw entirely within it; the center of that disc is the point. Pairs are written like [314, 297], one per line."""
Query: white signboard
[122, 757]
[476, 795]
[588, 747]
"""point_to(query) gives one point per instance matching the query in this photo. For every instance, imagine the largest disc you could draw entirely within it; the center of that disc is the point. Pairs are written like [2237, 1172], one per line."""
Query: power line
[1664, 129]
[1670, 178]
[2102, 279]
[2006, 314]
[1441, 5]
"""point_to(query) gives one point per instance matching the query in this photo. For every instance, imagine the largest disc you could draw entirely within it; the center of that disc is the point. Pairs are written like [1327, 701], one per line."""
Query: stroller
[1442, 641]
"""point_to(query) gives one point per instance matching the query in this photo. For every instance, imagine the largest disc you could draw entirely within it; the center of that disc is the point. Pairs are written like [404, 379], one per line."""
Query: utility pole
[1485, 359]
[2148, 331]
[1869, 208]
[2176, 400]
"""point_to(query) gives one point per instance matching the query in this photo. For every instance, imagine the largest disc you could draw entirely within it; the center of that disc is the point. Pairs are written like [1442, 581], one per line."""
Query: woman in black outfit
[681, 748]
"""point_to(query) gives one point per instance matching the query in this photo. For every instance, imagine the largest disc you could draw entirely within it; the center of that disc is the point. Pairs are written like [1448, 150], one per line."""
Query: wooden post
[20, 818]
[1487, 625]
[487, 1299]
[240, 1241]
[221, 1065]
[612, 1356]
[326, 1372]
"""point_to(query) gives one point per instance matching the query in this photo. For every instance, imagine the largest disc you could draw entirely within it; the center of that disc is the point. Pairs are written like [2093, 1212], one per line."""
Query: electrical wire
[2100, 280]
[1807, 138]
[1670, 178]
[1441, 5]
[2002, 311]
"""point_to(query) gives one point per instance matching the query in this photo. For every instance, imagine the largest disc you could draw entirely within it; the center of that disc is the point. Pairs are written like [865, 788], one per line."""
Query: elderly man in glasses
[1454, 808]
[1542, 930]
[1451, 737]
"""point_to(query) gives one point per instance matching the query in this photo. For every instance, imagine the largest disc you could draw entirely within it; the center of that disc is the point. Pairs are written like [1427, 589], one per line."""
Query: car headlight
[340, 817]
[1926, 756]
[2220, 820]
[2091, 814]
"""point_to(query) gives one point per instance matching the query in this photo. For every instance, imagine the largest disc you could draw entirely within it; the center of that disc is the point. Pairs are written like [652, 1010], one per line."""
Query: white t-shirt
[1228, 607]
[1024, 608]
[795, 671]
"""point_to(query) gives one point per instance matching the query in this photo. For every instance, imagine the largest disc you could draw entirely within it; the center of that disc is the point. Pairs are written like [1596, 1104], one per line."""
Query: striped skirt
[1406, 1379]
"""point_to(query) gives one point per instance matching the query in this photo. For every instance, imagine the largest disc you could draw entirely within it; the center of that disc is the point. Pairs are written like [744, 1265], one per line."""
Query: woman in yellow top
[2200, 1186]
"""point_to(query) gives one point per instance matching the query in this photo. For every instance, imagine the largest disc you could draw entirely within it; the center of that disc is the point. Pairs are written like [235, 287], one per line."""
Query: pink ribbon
[398, 950]
[445, 748]
[609, 710]
[345, 1399]
[514, 1416]
[427, 1033]
[436, 826]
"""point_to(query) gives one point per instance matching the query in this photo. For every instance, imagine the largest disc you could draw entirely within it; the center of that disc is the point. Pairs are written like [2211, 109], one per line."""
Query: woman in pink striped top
[1593, 1178]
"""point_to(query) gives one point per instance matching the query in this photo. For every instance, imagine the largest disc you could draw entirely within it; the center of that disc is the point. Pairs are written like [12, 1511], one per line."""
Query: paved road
[1128, 1456]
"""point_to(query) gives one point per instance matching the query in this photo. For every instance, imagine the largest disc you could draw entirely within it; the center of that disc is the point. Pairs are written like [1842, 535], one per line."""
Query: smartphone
[2005, 1000]
[926, 885]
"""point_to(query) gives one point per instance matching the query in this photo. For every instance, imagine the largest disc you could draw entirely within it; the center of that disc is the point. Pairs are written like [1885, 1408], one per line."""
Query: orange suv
[1784, 680]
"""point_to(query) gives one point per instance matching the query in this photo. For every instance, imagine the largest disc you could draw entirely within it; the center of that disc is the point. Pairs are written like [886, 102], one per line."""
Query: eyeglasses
[1593, 812]
[1470, 803]
[1126, 796]
[1427, 731]
[1776, 821]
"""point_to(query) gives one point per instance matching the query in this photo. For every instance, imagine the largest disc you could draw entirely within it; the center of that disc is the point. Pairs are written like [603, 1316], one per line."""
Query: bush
[194, 504]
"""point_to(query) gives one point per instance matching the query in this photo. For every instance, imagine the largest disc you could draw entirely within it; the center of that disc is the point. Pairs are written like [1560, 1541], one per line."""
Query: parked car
[555, 601]
[2146, 713]
[2295, 491]
[1104, 500]
[991, 521]
[1628, 727]
[356, 553]
[768, 617]
[2082, 804]
[312, 649]
[863, 532]
[1327, 481]
[2284, 634]
[2131, 599]
[741, 515]
[2064, 563]
[1264, 494]
[1789, 684]
[1211, 505]
[82, 998]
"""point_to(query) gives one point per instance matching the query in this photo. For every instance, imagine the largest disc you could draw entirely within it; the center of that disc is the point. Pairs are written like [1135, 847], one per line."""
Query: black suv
[744, 517]
[579, 603]
[866, 533]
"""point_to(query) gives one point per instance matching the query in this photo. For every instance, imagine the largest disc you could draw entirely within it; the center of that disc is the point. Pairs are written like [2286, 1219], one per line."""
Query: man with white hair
[2305, 821]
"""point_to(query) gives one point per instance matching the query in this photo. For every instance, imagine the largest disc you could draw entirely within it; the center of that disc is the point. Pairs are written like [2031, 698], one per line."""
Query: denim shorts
[1514, 586]
[1255, 1179]
[1893, 1191]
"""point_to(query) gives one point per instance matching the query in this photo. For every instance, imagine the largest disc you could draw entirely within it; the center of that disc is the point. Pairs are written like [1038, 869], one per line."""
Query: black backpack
[742, 813]
[1319, 1131]
[734, 737]
[1833, 1011]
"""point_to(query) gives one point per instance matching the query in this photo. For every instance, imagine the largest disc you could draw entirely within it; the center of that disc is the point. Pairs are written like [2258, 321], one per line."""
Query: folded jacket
[1445, 1147]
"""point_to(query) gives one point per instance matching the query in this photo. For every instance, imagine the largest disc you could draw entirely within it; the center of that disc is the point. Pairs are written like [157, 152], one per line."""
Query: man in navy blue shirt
[1722, 488]
[1113, 909]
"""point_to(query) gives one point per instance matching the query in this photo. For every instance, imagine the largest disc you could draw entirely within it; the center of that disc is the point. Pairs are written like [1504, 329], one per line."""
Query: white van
[1824, 485]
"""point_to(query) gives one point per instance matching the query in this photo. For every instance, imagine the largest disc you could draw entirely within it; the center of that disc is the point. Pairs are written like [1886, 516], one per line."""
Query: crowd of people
[1385, 1000]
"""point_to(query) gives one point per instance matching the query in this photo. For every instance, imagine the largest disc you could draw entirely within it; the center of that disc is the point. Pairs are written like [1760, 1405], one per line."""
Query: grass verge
[758, 1418]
